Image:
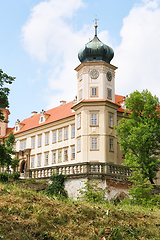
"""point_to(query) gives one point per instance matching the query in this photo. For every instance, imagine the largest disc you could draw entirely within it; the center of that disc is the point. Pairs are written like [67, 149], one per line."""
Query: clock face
[109, 76]
[94, 74]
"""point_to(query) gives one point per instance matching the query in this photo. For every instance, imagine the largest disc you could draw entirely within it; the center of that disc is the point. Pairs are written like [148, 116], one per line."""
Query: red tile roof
[55, 114]
[119, 100]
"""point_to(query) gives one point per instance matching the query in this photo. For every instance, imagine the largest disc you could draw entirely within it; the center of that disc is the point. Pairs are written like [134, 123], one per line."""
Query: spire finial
[96, 26]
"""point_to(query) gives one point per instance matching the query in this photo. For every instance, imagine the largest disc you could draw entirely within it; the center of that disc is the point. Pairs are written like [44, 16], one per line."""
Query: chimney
[62, 102]
[33, 113]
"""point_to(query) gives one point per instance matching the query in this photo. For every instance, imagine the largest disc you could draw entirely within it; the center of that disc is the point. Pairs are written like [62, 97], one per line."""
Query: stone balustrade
[96, 169]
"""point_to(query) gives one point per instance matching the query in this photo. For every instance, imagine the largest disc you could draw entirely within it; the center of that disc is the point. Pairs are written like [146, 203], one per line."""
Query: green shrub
[16, 175]
[4, 177]
[141, 191]
[91, 193]
[56, 188]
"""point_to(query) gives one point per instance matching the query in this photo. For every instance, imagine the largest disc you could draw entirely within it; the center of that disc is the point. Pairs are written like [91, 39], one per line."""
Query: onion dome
[95, 50]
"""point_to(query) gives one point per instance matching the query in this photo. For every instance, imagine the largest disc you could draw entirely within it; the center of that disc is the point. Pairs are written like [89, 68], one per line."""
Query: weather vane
[96, 20]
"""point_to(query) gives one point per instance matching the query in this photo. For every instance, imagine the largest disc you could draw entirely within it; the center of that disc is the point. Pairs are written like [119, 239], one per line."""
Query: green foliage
[4, 91]
[139, 135]
[141, 191]
[7, 152]
[91, 193]
[16, 175]
[56, 188]
[4, 177]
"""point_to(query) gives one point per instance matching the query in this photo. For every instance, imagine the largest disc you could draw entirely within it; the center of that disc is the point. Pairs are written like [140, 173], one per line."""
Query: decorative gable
[43, 116]
[18, 125]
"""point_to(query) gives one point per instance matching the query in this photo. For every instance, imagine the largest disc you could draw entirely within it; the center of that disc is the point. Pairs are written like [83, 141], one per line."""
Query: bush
[16, 175]
[141, 191]
[91, 193]
[56, 188]
[4, 177]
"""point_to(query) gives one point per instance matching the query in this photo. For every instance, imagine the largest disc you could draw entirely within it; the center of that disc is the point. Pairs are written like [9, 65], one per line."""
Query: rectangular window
[59, 156]
[60, 135]
[39, 141]
[93, 118]
[32, 162]
[33, 142]
[78, 121]
[66, 155]
[73, 153]
[39, 161]
[111, 120]
[23, 145]
[109, 93]
[111, 144]
[80, 94]
[41, 120]
[79, 145]
[47, 139]
[54, 137]
[94, 91]
[65, 133]
[73, 131]
[54, 158]
[94, 143]
[46, 159]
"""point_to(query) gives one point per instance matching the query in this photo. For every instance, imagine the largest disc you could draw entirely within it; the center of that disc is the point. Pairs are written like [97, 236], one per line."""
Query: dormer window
[43, 116]
[18, 125]
[41, 119]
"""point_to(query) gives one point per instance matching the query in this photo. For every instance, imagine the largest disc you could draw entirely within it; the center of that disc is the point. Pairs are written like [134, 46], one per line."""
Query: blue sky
[40, 41]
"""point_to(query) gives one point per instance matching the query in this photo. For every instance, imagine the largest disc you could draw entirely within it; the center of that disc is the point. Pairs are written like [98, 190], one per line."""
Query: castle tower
[95, 110]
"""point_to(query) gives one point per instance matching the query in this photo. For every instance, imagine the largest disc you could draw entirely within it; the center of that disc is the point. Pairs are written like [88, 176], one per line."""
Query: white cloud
[137, 57]
[48, 35]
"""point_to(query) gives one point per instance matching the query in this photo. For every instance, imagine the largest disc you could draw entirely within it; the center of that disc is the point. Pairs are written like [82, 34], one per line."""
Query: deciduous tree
[139, 135]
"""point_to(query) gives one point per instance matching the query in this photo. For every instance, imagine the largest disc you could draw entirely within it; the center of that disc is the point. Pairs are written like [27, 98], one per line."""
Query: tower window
[111, 120]
[109, 93]
[111, 144]
[94, 143]
[93, 119]
[94, 91]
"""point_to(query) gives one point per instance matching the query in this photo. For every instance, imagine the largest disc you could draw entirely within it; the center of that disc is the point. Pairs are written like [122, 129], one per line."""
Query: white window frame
[94, 119]
[65, 154]
[66, 133]
[40, 141]
[32, 162]
[54, 157]
[94, 143]
[73, 153]
[47, 138]
[78, 121]
[59, 155]
[60, 135]
[33, 142]
[73, 131]
[38, 160]
[54, 137]
[46, 159]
